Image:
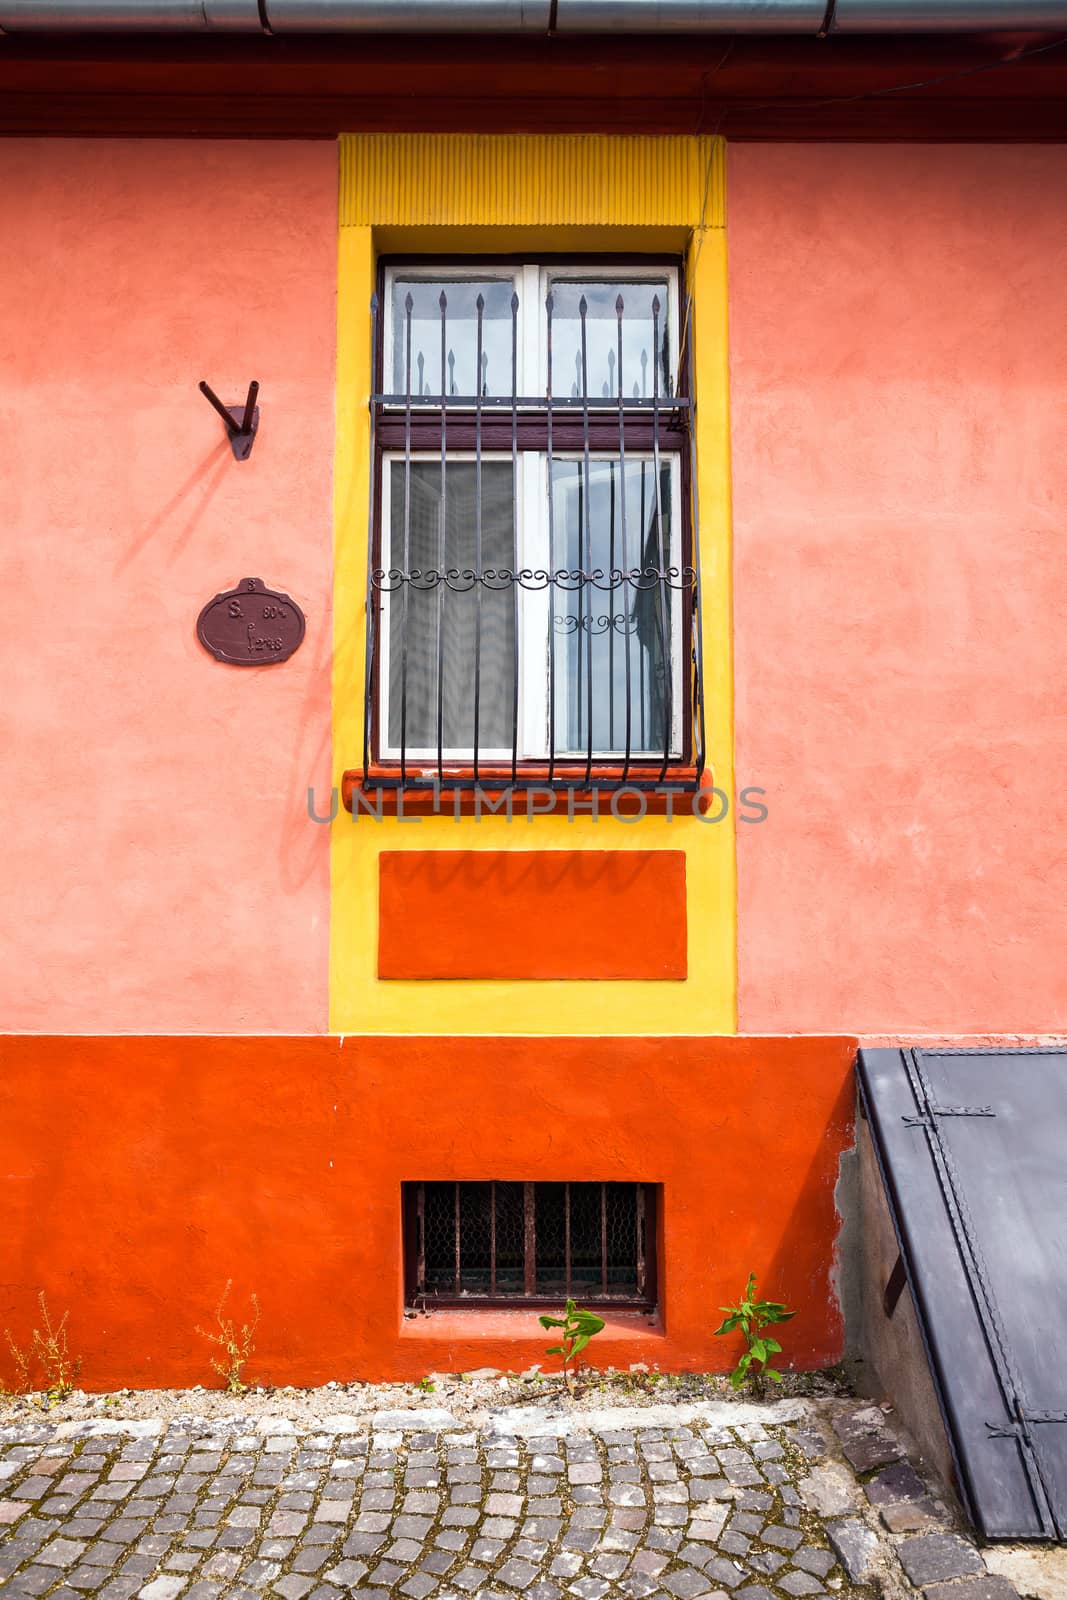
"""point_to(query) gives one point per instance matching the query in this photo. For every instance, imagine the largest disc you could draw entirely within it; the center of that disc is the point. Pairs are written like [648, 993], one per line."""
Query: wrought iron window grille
[579, 670]
[504, 1243]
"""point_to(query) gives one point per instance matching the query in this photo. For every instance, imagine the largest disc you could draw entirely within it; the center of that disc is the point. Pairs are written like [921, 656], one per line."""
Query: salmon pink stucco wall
[898, 341]
[157, 850]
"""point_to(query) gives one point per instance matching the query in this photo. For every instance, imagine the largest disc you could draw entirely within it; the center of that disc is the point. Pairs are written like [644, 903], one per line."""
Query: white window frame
[590, 272]
[531, 281]
[534, 606]
[464, 272]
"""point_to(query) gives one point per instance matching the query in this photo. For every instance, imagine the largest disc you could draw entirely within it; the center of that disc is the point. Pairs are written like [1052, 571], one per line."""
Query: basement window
[502, 1243]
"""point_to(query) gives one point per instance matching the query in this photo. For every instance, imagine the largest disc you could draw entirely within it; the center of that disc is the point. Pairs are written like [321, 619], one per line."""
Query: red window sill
[680, 793]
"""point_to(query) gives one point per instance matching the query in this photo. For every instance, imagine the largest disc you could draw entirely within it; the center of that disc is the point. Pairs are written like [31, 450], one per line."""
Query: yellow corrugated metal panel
[466, 180]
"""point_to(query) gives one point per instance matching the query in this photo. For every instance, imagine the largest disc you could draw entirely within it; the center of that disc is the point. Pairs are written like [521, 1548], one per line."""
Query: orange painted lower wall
[139, 1174]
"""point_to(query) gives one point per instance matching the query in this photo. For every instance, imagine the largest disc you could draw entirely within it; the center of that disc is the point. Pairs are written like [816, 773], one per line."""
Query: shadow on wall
[811, 1193]
[512, 872]
[183, 513]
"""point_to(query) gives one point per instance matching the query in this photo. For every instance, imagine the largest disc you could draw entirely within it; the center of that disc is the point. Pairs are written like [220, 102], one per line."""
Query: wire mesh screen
[501, 1241]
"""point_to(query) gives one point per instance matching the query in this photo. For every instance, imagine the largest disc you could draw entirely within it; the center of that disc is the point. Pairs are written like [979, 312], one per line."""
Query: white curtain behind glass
[457, 610]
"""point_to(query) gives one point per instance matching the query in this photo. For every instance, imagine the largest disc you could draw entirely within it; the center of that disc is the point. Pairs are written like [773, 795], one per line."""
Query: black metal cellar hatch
[496, 1243]
[972, 1147]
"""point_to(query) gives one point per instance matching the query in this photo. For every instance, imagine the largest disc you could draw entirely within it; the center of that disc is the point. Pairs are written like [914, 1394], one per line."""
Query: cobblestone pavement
[706, 1501]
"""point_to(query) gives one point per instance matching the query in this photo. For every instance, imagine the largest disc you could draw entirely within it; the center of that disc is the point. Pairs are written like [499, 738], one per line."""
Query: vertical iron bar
[372, 602]
[567, 1237]
[668, 388]
[583, 307]
[459, 1265]
[492, 1238]
[529, 1236]
[668, 675]
[420, 1216]
[619, 308]
[408, 304]
[637, 595]
[579, 602]
[603, 1238]
[515, 536]
[698, 642]
[480, 306]
[442, 552]
[642, 1272]
[551, 559]
[611, 605]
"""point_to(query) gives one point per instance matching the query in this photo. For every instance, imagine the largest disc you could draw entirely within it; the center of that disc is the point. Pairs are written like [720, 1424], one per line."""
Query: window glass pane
[640, 335]
[550, 1201]
[510, 1239]
[586, 1267]
[440, 1237]
[475, 1237]
[620, 1229]
[603, 634]
[461, 336]
[440, 626]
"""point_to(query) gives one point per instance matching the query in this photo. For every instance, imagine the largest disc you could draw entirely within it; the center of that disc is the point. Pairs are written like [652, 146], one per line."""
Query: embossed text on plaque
[251, 626]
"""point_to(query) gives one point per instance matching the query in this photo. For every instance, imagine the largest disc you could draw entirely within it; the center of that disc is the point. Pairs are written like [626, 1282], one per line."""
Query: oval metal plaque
[251, 626]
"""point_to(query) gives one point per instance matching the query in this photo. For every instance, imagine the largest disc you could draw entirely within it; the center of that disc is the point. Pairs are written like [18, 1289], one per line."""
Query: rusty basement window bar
[533, 575]
[501, 1243]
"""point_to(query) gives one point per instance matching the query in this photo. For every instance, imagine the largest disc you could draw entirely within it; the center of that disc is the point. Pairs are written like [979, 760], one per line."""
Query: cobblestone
[938, 1557]
[865, 1439]
[855, 1544]
[710, 1501]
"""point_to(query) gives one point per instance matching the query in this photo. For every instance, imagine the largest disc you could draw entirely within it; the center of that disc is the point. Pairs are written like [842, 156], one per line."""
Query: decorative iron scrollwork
[462, 579]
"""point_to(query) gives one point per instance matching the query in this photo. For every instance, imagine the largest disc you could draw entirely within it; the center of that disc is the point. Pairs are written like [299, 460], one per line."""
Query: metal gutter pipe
[529, 16]
[689, 16]
[949, 16]
[130, 16]
[410, 16]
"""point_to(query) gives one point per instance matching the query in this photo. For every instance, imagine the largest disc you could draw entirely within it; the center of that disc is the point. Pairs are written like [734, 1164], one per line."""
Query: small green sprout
[578, 1328]
[752, 1316]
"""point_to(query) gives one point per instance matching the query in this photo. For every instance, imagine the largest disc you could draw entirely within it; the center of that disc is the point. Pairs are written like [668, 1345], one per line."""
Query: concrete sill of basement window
[521, 1336]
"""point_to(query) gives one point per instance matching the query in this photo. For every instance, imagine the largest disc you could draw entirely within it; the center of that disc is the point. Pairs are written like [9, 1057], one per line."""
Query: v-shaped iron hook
[241, 422]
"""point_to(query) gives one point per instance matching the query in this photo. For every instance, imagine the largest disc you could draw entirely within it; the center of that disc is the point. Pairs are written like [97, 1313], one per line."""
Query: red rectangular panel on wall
[532, 914]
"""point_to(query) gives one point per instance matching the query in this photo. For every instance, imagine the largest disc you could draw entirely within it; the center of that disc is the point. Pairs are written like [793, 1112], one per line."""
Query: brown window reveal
[498, 1243]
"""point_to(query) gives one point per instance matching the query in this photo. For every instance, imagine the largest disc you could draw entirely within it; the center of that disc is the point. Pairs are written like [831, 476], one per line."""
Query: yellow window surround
[494, 194]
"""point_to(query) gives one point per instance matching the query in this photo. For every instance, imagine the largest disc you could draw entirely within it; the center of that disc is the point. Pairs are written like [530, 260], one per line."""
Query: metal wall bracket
[923, 1120]
[242, 422]
[894, 1287]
